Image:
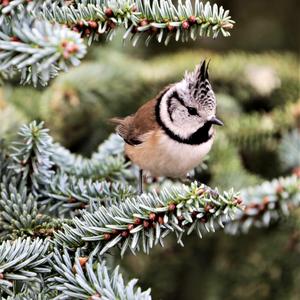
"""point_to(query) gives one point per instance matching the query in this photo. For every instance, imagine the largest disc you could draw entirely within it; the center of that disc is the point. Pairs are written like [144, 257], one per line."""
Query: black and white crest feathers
[199, 86]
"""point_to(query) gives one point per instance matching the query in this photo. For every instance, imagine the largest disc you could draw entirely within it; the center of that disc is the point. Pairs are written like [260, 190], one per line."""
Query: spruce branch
[266, 203]
[9, 6]
[19, 214]
[112, 146]
[22, 260]
[88, 278]
[144, 221]
[37, 49]
[34, 291]
[35, 39]
[66, 193]
[32, 156]
[159, 19]
[102, 164]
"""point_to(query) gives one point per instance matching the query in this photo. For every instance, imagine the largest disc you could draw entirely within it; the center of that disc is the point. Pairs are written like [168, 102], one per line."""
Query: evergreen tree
[62, 214]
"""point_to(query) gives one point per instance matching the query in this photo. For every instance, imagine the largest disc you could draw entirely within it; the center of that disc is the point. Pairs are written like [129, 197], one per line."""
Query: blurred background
[255, 75]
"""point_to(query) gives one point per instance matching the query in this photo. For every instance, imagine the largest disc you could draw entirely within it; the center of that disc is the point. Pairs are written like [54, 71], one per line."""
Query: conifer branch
[137, 224]
[32, 156]
[19, 214]
[86, 278]
[37, 49]
[9, 6]
[36, 39]
[144, 221]
[67, 193]
[22, 260]
[110, 167]
[266, 203]
[161, 20]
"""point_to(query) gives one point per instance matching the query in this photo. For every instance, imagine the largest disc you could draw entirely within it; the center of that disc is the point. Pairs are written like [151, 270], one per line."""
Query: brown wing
[133, 127]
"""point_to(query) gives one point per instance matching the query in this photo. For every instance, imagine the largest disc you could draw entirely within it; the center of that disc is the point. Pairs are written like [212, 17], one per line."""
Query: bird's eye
[192, 111]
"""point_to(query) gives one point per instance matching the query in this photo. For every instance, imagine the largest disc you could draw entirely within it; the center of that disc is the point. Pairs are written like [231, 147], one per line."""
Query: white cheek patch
[180, 122]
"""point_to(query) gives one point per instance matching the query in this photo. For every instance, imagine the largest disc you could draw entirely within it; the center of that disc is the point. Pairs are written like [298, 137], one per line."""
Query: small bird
[170, 134]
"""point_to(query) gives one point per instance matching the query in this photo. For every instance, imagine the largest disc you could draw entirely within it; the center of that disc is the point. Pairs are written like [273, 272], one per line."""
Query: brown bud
[75, 28]
[15, 39]
[71, 199]
[192, 20]
[72, 47]
[83, 260]
[146, 224]
[200, 191]
[152, 216]
[296, 171]
[170, 27]
[83, 205]
[194, 214]
[279, 189]
[1, 275]
[125, 233]
[115, 231]
[266, 200]
[5, 2]
[134, 8]
[108, 12]
[107, 236]
[237, 201]
[93, 24]
[144, 22]
[87, 32]
[137, 221]
[80, 23]
[130, 226]
[207, 207]
[111, 24]
[185, 25]
[172, 207]
[180, 218]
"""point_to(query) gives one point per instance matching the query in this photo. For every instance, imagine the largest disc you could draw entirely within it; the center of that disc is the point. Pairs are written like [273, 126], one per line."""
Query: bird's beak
[216, 121]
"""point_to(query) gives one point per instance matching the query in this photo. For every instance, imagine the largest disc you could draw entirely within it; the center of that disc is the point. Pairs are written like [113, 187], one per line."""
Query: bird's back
[134, 127]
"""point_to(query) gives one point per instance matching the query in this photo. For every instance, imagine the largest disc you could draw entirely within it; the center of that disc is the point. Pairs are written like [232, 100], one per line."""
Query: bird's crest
[199, 85]
[198, 76]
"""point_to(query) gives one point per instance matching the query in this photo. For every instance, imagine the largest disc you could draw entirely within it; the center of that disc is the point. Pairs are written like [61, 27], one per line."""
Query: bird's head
[190, 104]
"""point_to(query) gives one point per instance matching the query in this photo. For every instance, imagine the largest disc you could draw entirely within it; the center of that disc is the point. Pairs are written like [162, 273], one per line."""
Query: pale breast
[163, 156]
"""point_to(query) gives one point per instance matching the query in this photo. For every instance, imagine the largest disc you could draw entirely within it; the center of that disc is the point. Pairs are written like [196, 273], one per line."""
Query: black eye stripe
[192, 111]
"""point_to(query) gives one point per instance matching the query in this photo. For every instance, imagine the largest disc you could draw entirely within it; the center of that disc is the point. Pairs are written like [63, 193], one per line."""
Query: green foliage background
[259, 101]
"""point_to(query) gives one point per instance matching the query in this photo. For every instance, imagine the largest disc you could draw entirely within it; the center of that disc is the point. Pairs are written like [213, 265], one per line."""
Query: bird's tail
[116, 121]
